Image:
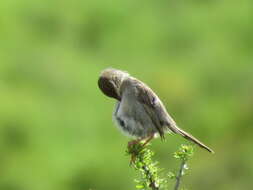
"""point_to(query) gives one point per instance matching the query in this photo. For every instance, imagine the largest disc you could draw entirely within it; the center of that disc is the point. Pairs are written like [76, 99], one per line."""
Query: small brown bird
[139, 112]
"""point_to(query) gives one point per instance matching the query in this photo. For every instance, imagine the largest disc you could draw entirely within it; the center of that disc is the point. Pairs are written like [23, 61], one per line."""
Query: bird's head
[110, 81]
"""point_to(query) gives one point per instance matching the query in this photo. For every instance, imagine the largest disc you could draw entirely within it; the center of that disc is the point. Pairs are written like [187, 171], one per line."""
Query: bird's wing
[159, 115]
[152, 105]
[156, 110]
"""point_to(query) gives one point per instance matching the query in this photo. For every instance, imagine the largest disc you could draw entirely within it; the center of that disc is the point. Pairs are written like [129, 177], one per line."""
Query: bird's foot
[134, 147]
[133, 142]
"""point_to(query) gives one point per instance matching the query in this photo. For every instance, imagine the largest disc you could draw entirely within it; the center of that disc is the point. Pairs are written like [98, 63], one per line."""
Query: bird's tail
[188, 136]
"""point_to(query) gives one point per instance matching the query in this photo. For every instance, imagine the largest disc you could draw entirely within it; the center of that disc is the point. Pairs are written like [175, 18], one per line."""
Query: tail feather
[190, 137]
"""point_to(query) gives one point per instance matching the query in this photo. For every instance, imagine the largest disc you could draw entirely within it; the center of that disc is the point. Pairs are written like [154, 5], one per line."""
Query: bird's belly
[133, 123]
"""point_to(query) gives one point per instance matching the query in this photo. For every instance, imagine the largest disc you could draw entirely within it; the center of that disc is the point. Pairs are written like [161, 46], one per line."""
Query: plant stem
[180, 174]
[151, 180]
[141, 160]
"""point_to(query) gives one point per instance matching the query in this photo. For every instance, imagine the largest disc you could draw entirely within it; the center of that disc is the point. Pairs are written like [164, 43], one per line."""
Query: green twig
[141, 160]
[184, 153]
[179, 176]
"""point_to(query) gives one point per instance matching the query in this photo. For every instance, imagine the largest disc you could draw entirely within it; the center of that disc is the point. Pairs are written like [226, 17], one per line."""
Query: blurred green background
[56, 131]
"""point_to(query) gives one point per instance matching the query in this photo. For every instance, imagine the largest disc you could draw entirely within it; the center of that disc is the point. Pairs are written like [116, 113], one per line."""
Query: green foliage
[184, 153]
[141, 160]
[150, 173]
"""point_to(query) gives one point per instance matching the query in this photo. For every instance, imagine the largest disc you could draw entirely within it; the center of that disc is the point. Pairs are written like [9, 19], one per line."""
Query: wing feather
[152, 106]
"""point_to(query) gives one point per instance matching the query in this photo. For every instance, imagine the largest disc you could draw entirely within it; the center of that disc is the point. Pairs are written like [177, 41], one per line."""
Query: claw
[131, 147]
[134, 150]
[133, 142]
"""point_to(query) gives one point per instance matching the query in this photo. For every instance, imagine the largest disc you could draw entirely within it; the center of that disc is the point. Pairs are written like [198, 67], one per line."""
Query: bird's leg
[133, 142]
[148, 139]
[134, 146]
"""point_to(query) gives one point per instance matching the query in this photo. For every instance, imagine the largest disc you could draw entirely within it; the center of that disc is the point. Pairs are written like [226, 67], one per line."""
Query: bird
[139, 113]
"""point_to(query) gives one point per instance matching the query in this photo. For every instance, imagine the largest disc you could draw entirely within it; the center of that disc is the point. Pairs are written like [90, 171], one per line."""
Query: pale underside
[131, 127]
